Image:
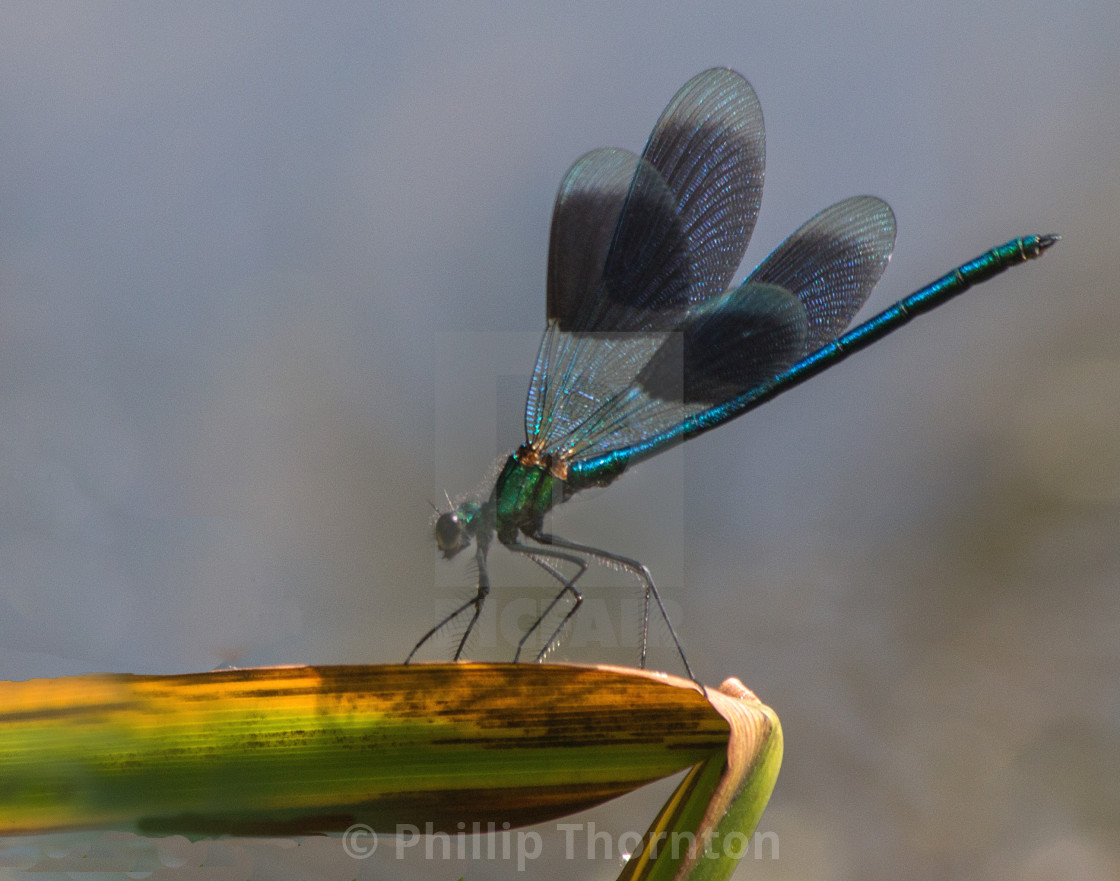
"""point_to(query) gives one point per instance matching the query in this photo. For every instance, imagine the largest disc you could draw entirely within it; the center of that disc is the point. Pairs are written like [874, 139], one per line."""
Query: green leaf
[440, 747]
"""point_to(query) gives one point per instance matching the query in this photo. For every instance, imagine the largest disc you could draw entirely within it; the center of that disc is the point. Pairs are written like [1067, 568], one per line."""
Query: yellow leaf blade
[701, 832]
[316, 749]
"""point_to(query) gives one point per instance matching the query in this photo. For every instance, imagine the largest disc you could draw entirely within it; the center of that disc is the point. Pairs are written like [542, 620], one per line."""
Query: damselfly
[646, 346]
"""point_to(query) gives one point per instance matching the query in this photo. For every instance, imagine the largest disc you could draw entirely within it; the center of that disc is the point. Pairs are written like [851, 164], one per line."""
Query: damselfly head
[451, 537]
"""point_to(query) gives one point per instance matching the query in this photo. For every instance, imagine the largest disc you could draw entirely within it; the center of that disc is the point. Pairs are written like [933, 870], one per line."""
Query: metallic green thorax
[523, 494]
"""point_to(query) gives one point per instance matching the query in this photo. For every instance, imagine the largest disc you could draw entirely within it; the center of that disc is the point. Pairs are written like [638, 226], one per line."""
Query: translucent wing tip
[877, 211]
[715, 74]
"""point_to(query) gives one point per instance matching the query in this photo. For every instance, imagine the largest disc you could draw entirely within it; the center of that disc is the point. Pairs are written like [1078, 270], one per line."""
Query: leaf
[284, 751]
[300, 750]
[702, 831]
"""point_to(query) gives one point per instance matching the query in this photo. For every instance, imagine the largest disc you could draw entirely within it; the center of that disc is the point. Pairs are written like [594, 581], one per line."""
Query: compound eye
[449, 533]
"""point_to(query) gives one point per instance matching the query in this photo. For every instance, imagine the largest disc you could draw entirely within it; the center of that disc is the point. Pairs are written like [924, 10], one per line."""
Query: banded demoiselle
[646, 346]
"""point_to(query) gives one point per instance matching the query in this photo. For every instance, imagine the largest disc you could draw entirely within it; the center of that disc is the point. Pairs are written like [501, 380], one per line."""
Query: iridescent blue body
[592, 471]
[647, 344]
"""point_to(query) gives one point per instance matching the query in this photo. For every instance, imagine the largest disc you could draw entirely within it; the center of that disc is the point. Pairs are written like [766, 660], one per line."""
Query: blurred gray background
[272, 277]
